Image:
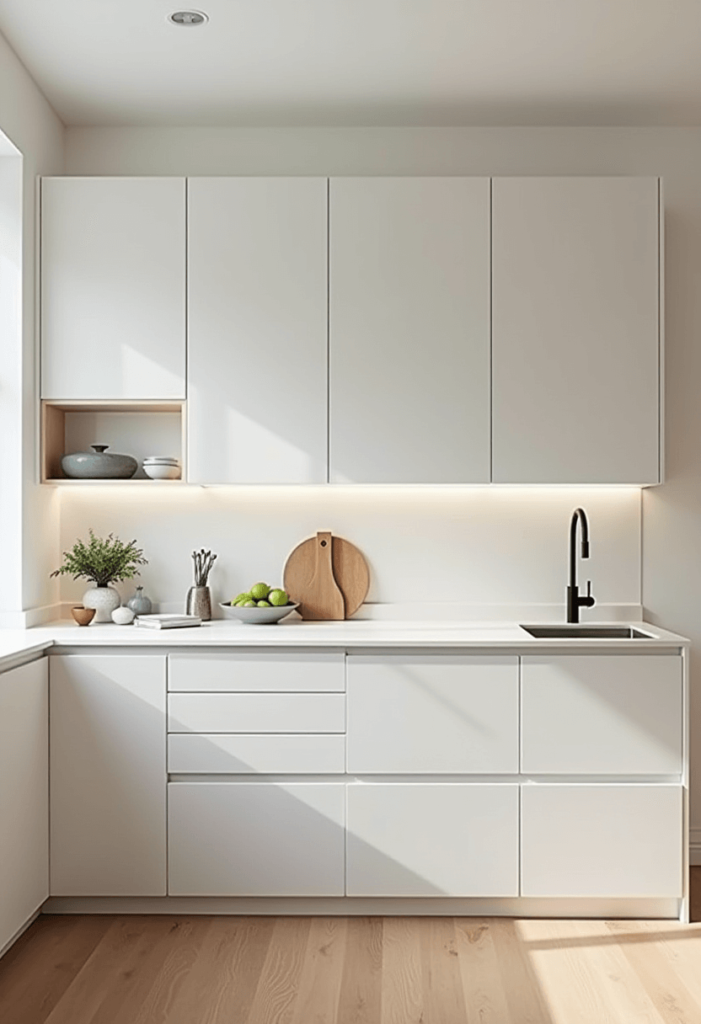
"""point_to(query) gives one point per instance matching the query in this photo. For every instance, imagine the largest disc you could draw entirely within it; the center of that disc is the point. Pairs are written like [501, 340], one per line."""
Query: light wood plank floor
[232, 970]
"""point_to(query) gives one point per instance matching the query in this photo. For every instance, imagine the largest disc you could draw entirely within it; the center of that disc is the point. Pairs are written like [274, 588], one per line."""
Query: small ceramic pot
[104, 600]
[83, 616]
[99, 465]
[140, 604]
[123, 616]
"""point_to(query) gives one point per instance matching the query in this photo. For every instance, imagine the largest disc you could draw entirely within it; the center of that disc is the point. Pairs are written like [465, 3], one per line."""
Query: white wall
[10, 373]
[30, 517]
[486, 551]
[443, 528]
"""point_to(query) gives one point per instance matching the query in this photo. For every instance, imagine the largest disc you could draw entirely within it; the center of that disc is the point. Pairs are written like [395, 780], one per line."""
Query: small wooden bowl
[83, 616]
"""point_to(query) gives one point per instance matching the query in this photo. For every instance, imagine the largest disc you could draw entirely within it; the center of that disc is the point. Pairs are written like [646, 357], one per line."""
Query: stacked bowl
[162, 467]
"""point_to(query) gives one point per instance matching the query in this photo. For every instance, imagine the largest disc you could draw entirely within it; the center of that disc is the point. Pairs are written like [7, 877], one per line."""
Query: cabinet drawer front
[601, 840]
[264, 670]
[443, 839]
[450, 714]
[602, 715]
[249, 755]
[256, 712]
[255, 839]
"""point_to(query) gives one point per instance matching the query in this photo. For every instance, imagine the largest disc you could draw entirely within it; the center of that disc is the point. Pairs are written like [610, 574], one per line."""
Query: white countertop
[352, 634]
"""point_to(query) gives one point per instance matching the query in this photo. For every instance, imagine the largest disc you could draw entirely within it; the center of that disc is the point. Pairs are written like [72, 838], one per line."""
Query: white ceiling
[364, 62]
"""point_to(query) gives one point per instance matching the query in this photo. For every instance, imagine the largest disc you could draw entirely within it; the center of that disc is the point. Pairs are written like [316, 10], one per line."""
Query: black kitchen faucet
[574, 601]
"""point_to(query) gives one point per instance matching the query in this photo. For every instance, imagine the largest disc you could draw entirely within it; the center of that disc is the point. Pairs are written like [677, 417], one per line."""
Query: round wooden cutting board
[314, 577]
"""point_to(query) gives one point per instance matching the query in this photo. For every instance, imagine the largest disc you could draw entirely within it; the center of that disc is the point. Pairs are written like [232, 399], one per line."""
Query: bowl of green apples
[261, 605]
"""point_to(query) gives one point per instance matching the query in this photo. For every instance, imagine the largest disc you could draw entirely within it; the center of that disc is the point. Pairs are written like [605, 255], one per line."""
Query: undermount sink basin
[575, 632]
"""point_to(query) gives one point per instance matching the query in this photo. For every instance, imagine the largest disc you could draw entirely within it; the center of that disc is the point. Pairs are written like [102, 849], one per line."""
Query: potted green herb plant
[103, 561]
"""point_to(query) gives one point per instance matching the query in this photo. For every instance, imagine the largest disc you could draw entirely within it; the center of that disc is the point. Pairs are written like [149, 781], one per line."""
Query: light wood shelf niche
[138, 428]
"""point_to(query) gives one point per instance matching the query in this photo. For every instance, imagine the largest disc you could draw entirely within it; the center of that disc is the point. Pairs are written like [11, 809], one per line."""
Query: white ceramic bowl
[162, 470]
[257, 616]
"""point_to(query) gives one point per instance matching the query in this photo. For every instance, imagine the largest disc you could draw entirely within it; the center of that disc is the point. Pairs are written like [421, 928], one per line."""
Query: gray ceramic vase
[140, 604]
[99, 465]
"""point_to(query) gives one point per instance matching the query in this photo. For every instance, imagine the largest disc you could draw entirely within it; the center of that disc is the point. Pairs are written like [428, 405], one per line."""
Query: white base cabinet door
[24, 795]
[257, 338]
[601, 840]
[409, 330]
[113, 288]
[434, 714]
[108, 775]
[424, 839]
[602, 715]
[575, 330]
[255, 839]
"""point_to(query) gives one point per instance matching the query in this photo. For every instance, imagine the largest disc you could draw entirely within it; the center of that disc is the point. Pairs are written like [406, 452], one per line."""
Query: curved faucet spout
[574, 601]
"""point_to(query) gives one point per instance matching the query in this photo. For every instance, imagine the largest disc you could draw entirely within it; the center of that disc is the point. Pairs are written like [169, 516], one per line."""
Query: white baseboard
[20, 931]
[352, 906]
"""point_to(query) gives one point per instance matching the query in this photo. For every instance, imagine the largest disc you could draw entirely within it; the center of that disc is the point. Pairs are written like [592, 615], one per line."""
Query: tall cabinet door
[108, 775]
[576, 340]
[113, 288]
[24, 795]
[257, 315]
[409, 330]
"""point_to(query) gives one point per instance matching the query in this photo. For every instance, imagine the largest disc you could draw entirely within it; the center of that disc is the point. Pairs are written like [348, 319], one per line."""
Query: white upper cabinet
[409, 330]
[113, 288]
[575, 327]
[257, 315]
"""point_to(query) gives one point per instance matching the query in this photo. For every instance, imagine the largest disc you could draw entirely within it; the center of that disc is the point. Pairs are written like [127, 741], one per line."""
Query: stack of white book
[168, 621]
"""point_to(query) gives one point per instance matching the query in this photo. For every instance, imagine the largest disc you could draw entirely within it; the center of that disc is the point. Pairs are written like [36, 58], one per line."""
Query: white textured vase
[104, 600]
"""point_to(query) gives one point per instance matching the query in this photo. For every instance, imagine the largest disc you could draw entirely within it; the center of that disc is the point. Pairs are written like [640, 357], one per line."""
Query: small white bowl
[162, 471]
[257, 616]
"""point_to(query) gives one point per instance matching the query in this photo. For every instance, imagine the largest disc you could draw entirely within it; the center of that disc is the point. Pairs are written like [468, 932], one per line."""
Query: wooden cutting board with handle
[328, 576]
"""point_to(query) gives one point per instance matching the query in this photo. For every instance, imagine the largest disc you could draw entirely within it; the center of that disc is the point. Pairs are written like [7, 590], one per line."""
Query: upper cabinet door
[576, 332]
[257, 359]
[113, 288]
[409, 330]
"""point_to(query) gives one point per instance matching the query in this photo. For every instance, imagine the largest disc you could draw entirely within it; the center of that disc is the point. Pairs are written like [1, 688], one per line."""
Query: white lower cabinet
[24, 795]
[602, 714]
[601, 840]
[438, 713]
[256, 712]
[441, 839]
[256, 839]
[108, 775]
[274, 754]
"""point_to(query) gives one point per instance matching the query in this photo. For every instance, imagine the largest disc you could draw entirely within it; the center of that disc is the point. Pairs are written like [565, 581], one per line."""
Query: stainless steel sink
[575, 632]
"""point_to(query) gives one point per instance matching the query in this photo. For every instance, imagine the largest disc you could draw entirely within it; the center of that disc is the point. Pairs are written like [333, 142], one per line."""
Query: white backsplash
[478, 552]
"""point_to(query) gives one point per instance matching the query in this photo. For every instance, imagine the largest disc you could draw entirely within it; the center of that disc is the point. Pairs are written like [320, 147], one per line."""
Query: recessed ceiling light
[188, 18]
